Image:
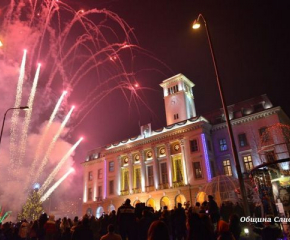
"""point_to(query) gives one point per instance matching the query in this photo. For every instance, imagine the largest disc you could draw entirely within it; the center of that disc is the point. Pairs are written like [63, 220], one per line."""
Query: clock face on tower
[173, 102]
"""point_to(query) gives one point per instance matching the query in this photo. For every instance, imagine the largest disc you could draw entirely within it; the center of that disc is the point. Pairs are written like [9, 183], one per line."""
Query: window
[197, 170]
[262, 130]
[100, 173]
[193, 145]
[164, 174]
[270, 156]
[111, 187]
[176, 116]
[100, 192]
[172, 90]
[90, 194]
[223, 144]
[126, 180]
[227, 167]
[248, 162]
[264, 134]
[243, 140]
[209, 145]
[137, 178]
[178, 168]
[111, 166]
[150, 176]
[90, 176]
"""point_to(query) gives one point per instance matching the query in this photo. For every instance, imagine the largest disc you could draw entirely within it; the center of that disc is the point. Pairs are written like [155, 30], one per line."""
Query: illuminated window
[90, 194]
[111, 187]
[150, 176]
[193, 145]
[227, 167]
[90, 176]
[197, 170]
[178, 170]
[164, 173]
[137, 178]
[100, 173]
[100, 190]
[111, 166]
[248, 162]
[243, 140]
[223, 144]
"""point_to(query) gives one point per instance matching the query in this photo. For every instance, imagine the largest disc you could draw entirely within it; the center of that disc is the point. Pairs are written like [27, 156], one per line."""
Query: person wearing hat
[126, 219]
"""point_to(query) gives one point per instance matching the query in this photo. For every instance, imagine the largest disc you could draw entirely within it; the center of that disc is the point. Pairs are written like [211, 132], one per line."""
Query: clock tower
[178, 99]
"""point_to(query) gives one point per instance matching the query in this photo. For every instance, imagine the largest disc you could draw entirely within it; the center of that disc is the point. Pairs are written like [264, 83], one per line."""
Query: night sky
[250, 41]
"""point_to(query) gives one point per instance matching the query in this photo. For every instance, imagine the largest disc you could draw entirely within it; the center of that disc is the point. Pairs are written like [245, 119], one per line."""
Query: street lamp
[196, 25]
[23, 108]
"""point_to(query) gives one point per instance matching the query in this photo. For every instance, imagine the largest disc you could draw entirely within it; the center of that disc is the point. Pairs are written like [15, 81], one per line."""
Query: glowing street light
[196, 25]
[22, 108]
[1, 44]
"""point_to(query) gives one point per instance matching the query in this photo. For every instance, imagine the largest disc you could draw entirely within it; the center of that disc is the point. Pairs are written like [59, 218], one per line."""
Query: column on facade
[143, 170]
[119, 175]
[85, 196]
[169, 163]
[130, 158]
[184, 160]
[105, 180]
[155, 167]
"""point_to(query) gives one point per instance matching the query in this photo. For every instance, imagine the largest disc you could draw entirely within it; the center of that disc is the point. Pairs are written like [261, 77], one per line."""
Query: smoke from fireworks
[58, 167]
[50, 191]
[52, 144]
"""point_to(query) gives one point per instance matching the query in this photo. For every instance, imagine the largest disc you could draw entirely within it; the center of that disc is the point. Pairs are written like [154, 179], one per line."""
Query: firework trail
[50, 191]
[43, 136]
[14, 118]
[28, 117]
[51, 146]
[57, 168]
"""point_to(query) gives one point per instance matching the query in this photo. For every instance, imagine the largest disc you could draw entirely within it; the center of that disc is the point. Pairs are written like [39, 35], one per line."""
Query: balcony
[163, 186]
[150, 188]
[124, 192]
[99, 199]
[178, 184]
[137, 190]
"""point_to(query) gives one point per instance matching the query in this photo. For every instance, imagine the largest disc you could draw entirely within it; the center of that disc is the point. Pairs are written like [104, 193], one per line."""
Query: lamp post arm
[230, 130]
[4, 122]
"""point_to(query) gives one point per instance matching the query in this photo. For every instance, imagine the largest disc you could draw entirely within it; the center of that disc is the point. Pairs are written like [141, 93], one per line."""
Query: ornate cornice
[249, 118]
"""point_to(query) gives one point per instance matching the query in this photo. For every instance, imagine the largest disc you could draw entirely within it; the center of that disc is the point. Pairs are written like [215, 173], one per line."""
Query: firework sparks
[14, 118]
[50, 191]
[57, 168]
[51, 145]
[28, 117]
[43, 136]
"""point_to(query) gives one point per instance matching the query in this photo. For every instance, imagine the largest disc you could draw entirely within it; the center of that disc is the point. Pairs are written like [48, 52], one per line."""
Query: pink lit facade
[170, 165]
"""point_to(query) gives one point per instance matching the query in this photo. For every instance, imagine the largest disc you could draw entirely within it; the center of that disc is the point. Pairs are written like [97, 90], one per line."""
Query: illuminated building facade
[169, 165]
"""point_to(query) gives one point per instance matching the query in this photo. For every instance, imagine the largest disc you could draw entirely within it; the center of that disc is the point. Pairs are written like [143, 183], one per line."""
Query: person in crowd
[213, 209]
[158, 231]
[83, 231]
[50, 228]
[24, 229]
[144, 224]
[64, 225]
[180, 222]
[223, 231]
[126, 219]
[111, 235]
[33, 231]
[235, 227]
[196, 208]
[270, 231]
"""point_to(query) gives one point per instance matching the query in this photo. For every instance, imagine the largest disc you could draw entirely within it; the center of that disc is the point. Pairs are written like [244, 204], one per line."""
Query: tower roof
[177, 78]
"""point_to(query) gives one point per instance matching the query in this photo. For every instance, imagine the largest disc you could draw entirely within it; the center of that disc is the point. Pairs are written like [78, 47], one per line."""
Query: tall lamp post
[23, 108]
[196, 25]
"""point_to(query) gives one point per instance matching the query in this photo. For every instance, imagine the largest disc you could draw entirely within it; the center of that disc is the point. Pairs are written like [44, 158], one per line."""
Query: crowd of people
[204, 221]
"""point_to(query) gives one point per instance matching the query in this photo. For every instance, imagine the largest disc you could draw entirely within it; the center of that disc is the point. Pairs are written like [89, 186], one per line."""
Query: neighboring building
[169, 165]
